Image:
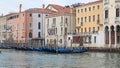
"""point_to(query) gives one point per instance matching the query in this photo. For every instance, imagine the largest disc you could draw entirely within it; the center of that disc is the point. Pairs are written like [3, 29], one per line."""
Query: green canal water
[29, 59]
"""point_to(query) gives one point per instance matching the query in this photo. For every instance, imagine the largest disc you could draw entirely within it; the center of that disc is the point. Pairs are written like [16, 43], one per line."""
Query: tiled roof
[57, 7]
[39, 10]
[63, 11]
[89, 3]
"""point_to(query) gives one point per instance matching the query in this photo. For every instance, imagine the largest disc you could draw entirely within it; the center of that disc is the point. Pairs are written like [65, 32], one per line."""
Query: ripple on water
[28, 59]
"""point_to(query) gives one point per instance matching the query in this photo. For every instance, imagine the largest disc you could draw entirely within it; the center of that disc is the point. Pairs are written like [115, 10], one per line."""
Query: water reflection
[29, 59]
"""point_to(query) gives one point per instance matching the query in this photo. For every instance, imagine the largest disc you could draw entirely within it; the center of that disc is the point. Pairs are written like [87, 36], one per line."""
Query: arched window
[39, 25]
[30, 35]
[39, 34]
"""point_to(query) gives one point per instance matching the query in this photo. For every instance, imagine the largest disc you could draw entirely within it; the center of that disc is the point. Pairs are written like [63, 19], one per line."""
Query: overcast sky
[7, 6]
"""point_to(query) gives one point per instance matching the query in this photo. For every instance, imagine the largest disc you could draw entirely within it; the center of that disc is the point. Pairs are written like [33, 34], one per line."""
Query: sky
[8, 6]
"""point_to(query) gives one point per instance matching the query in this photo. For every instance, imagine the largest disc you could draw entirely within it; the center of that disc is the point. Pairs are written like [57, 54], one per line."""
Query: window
[85, 9]
[65, 31]
[89, 18]
[95, 39]
[117, 12]
[98, 7]
[106, 13]
[85, 30]
[68, 38]
[81, 10]
[30, 15]
[30, 25]
[54, 21]
[98, 28]
[61, 41]
[39, 34]
[89, 29]
[98, 18]
[82, 21]
[78, 20]
[93, 17]
[56, 30]
[78, 30]
[85, 19]
[82, 30]
[30, 35]
[39, 15]
[93, 29]
[61, 30]
[78, 11]
[48, 22]
[89, 8]
[93, 7]
[23, 26]
[66, 21]
[39, 25]
[61, 19]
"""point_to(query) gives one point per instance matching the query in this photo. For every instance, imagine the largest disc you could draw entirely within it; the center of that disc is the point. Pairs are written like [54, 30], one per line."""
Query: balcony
[117, 19]
[117, 1]
[4, 30]
[106, 20]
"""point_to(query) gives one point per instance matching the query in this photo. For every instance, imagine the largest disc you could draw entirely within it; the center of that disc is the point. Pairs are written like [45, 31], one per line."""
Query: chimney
[43, 6]
[20, 8]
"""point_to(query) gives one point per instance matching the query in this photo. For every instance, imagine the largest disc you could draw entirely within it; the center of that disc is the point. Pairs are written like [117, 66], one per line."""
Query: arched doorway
[118, 34]
[106, 35]
[112, 35]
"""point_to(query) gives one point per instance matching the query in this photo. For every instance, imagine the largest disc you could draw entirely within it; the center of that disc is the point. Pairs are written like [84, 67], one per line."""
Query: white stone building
[38, 24]
[112, 22]
[2, 29]
[59, 25]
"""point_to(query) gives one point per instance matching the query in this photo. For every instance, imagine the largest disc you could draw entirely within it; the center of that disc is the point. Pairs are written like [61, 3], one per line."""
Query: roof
[55, 6]
[94, 2]
[62, 10]
[39, 10]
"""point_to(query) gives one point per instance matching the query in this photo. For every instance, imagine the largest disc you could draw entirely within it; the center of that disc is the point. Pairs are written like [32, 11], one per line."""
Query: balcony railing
[106, 20]
[87, 33]
[53, 25]
[117, 1]
[117, 19]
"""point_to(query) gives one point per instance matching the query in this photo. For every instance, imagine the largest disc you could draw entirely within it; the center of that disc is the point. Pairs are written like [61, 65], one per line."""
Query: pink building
[20, 24]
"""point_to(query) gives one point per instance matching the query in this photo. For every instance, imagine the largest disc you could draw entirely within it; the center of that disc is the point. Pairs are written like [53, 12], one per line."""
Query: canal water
[29, 59]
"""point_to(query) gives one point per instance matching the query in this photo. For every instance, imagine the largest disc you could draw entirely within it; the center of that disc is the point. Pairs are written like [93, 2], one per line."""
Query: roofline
[90, 3]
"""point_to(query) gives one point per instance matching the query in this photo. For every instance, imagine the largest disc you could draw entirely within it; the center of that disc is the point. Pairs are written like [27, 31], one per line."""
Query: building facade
[89, 23]
[38, 24]
[112, 22]
[2, 29]
[59, 25]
